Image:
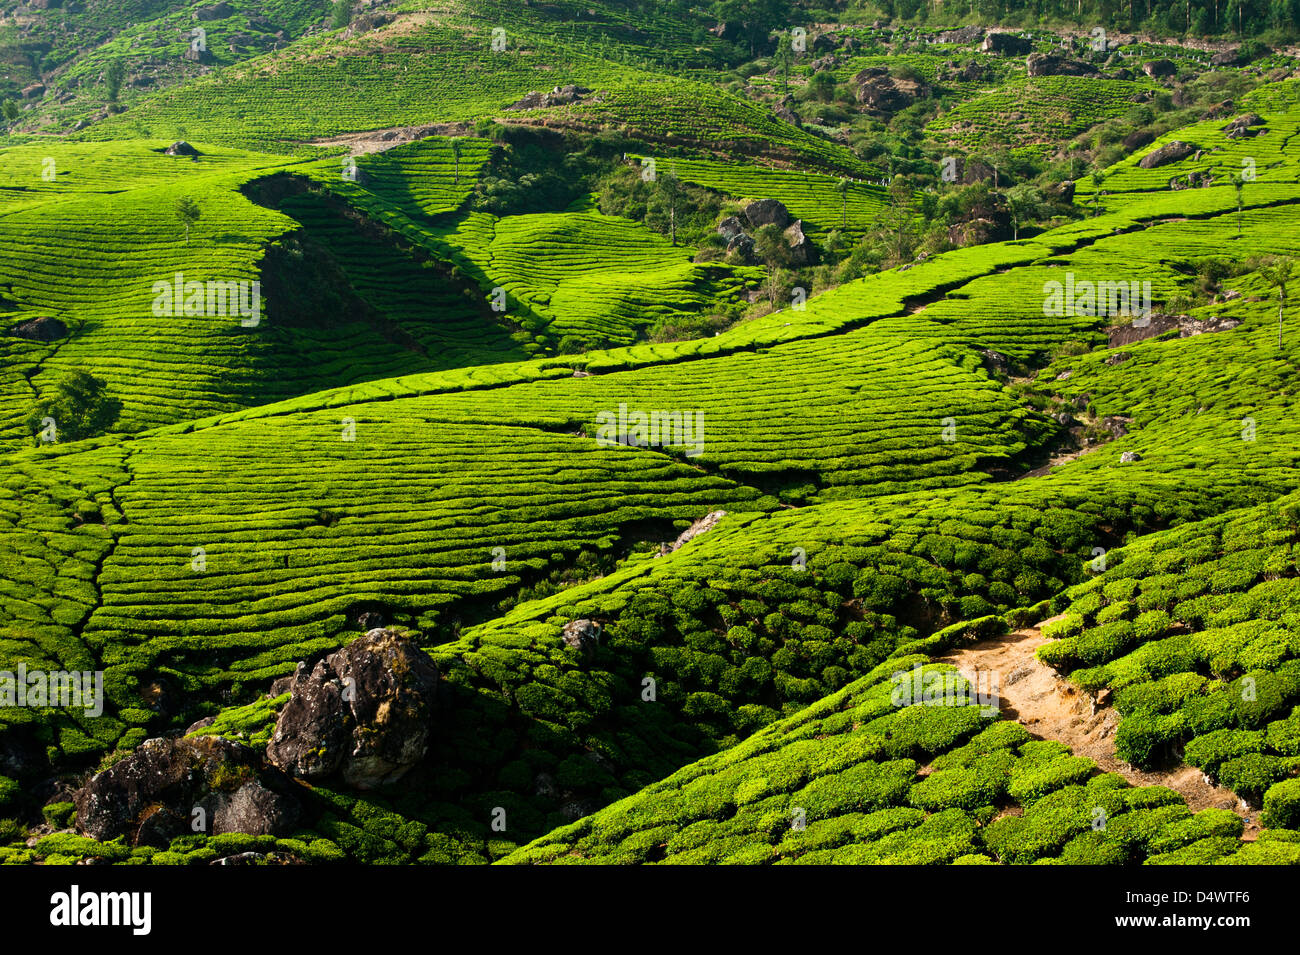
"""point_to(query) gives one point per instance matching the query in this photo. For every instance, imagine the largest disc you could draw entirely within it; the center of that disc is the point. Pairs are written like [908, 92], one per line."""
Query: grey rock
[763, 212]
[1169, 152]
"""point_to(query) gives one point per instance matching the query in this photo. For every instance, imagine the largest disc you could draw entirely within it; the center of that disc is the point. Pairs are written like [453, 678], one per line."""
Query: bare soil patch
[1051, 707]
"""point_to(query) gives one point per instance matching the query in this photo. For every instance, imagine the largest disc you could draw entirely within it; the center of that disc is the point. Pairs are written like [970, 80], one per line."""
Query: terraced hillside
[662, 468]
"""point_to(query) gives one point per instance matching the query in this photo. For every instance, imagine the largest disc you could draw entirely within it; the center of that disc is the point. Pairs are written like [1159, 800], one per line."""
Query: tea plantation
[375, 321]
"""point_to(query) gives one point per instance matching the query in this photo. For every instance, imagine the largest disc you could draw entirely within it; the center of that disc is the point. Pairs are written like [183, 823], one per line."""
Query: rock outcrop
[1052, 64]
[802, 251]
[216, 11]
[42, 329]
[168, 786]
[1158, 69]
[365, 713]
[559, 96]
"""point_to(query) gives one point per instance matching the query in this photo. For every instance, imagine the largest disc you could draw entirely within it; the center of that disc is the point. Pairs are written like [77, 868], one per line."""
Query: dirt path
[1053, 708]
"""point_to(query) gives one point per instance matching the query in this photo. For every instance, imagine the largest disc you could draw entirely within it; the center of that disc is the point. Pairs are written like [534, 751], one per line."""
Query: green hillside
[674, 386]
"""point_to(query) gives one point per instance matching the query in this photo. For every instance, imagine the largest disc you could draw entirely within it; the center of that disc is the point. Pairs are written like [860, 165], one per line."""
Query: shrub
[1250, 775]
[1210, 751]
[1282, 805]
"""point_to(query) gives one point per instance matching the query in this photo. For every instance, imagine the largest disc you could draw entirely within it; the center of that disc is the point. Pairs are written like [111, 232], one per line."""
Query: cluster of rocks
[1243, 127]
[363, 715]
[784, 110]
[559, 96]
[988, 220]
[1196, 179]
[971, 71]
[168, 786]
[763, 212]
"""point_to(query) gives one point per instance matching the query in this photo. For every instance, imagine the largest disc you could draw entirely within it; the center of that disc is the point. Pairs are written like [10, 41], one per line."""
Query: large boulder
[1007, 44]
[741, 245]
[582, 635]
[167, 786]
[1060, 191]
[1158, 69]
[365, 712]
[180, 148]
[730, 227]
[1052, 64]
[876, 89]
[42, 329]
[1170, 152]
[802, 251]
[216, 11]
[763, 212]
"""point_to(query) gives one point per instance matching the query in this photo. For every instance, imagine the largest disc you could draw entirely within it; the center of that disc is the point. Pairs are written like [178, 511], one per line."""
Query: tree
[1239, 184]
[1025, 203]
[455, 155]
[188, 211]
[896, 233]
[821, 86]
[114, 74]
[842, 187]
[10, 110]
[783, 58]
[341, 14]
[1098, 178]
[669, 188]
[79, 406]
[1277, 274]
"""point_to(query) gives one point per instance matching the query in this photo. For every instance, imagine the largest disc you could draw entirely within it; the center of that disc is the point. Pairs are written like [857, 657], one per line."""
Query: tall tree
[188, 211]
[1277, 274]
[114, 75]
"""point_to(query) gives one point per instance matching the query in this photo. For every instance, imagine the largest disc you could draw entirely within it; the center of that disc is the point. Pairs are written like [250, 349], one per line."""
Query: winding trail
[1051, 707]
